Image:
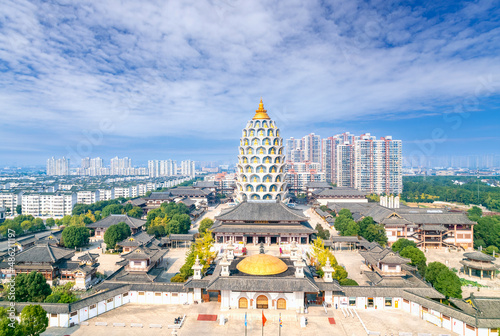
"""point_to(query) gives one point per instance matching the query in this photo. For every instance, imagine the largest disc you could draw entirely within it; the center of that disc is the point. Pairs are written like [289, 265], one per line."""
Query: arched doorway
[281, 303]
[262, 302]
[242, 303]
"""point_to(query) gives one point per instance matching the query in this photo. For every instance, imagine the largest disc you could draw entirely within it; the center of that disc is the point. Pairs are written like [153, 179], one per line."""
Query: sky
[179, 79]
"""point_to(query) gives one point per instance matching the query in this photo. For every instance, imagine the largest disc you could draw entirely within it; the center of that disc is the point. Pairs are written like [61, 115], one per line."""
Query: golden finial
[261, 113]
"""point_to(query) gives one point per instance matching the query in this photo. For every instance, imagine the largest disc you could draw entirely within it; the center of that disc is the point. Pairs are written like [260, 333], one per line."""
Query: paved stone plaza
[386, 322]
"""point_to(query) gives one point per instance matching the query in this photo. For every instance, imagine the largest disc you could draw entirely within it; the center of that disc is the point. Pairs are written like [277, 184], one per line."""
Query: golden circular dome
[262, 264]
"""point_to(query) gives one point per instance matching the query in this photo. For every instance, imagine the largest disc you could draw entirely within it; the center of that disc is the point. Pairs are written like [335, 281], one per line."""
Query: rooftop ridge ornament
[261, 113]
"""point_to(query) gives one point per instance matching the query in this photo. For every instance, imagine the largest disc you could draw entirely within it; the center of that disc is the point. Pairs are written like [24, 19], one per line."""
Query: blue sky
[172, 79]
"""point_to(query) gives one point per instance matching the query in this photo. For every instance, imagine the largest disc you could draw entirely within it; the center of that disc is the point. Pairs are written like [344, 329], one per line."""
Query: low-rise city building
[57, 204]
[87, 196]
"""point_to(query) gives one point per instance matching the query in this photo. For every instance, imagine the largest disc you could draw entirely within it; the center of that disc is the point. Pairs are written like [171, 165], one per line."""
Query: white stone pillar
[197, 294]
[225, 298]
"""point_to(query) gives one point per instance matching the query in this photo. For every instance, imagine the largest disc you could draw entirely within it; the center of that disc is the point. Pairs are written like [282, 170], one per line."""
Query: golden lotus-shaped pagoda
[262, 264]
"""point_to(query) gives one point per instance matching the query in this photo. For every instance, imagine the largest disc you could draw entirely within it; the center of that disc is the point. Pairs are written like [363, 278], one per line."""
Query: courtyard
[391, 321]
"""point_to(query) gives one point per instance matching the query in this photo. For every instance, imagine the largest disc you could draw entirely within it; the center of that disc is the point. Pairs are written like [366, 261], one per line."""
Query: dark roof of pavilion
[179, 192]
[137, 201]
[480, 256]
[178, 237]
[204, 184]
[272, 211]
[43, 252]
[134, 223]
[137, 239]
[340, 192]
[87, 256]
[386, 255]
[143, 252]
[315, 184]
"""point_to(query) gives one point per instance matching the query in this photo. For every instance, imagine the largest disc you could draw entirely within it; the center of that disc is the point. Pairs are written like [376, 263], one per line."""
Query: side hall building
[428, 228]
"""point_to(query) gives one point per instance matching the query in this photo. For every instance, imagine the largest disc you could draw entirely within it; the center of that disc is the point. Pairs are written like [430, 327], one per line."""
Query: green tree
[75, 236]
[66, 220]
[487, 232]
[375, 232]
[401, 243]
[53, 298]
[135, 212]
[345, 213]
[30, 287]
[34, 320]
[111, 209]
[38, 224]
[320, 254]
[351, 228]
[322, 233]
[324, 208]
[62, 294]
[364, 223]
[475, 212]
[50, 222]
[448, 284]
[348, 282]
[200, 248]
[184, 222]
[417, 258]
[8, 328]
[444, 280]
[433, 270]
[340, 273]
[156, 230]
[205, 224]
[491, 249]
[173, 227]
[26, 225]
[116, 233]
[19, 209]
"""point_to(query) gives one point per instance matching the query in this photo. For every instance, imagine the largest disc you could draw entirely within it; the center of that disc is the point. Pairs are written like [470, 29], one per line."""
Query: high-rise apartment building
[298, 174]
[329, 149]
[378, 164]
[120, 166]
[58, 166]
[157, 168]
[188, 168]
[306, 149]
[311, 146]
[92, 167]
[344, 165]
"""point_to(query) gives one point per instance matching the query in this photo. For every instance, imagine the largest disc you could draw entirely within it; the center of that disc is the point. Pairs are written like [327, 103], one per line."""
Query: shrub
[348, 282]
[177, 278]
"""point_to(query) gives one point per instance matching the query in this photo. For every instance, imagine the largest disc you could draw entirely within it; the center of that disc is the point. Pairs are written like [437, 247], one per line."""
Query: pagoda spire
[261, 113]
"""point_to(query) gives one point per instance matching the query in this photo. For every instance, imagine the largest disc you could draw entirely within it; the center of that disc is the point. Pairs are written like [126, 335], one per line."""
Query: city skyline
[96, 81]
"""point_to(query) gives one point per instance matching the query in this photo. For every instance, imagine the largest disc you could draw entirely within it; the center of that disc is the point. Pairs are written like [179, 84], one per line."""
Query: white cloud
[198, 68]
